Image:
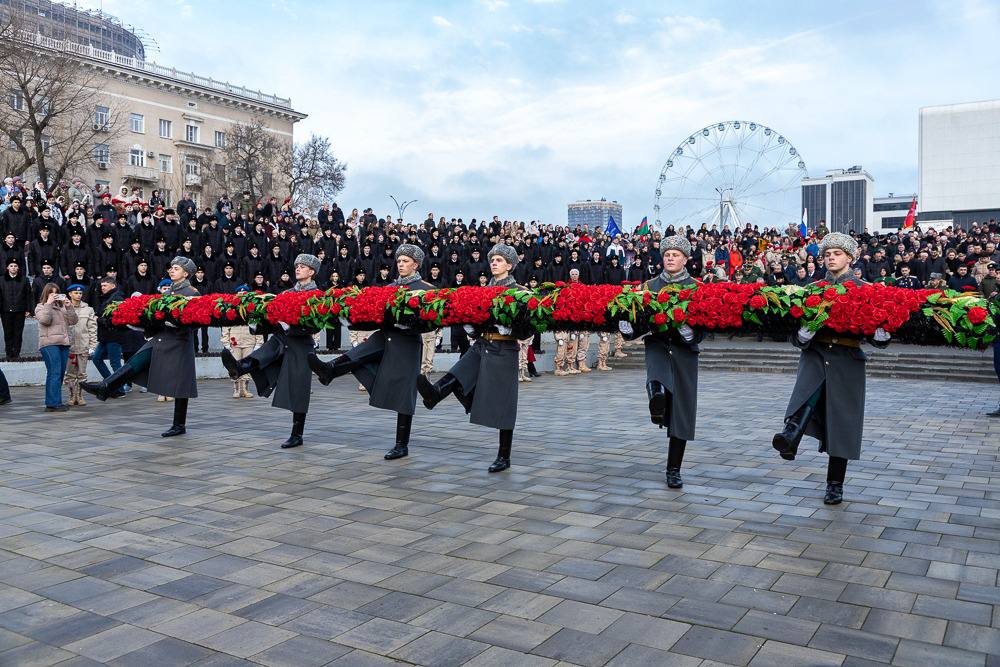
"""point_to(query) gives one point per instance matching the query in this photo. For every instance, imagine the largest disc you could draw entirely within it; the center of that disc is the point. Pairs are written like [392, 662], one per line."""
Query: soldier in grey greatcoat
[485, 379]
[671, 363]
[281, 365]
[388, 363]
[165, 364]
[828, 401]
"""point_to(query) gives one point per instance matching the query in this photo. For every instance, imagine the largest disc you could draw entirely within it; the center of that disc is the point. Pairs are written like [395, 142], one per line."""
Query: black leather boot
[532, 371]
[995, 413]
[675, 458]
[657, 401]
[403, 423]
[502, 461]
[236, 367]
[835, 472]
[298, 427]
[787, 442]
[327, 372]
[180, 419]
[110, 385]
[432, 394]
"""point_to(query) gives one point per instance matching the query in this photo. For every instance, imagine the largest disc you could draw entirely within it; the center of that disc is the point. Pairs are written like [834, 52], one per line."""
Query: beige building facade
[169, 126]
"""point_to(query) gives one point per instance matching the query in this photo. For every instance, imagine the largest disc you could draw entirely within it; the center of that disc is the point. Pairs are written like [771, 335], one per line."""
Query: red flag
[912, 215]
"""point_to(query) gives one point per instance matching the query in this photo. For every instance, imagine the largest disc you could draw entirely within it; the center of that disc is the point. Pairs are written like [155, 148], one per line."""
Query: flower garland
[928, 317]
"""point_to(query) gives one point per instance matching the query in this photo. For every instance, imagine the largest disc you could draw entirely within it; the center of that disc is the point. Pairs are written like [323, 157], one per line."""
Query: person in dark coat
[141, 280]
[828, 400]
[281, 364]
[165, 365]
[388, 363]
[485, 378]
[671, 363]
[15, 305]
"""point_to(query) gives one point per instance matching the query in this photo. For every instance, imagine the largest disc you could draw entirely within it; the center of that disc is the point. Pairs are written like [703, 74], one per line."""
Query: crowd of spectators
[77, 235]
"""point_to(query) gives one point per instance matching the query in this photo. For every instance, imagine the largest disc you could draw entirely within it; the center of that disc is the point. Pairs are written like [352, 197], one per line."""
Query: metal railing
[87, 51]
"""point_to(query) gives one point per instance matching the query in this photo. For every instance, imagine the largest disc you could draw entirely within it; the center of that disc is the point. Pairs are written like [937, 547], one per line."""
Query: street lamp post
[401, 208]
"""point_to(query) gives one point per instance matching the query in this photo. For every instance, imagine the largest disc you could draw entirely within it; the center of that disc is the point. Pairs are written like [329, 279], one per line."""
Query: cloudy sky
[516, 107]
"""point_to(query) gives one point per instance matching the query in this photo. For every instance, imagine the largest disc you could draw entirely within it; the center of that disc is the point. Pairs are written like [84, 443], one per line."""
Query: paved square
[217, 548]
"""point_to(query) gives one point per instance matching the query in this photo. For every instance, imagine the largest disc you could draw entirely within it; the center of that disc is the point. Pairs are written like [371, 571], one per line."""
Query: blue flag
[804, 223]
[612, 228]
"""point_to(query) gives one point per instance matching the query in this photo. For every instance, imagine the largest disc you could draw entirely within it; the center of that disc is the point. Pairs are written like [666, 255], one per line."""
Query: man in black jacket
[15, 220]
[15, 305]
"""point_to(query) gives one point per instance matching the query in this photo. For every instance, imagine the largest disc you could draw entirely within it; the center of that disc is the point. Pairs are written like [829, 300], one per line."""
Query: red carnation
[646, 297]
[532, 303]
[796, 312]
[251, 307]
[413, 302]
[679, 315]
[160, 315]
[305, 310]
[663, 297]
[508, 299]
[231, 315]
[829, 294]
[684, 294]
[812, 300]
[977, 315]
[335, 308]
[175, 313]
[660, 318]
[757, 302]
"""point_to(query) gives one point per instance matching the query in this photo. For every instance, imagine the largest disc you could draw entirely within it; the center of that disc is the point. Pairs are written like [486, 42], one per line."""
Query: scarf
[408, 280]
[179, 285]
[681, 277]
[506, 282]
[299, 287]
[845, 277]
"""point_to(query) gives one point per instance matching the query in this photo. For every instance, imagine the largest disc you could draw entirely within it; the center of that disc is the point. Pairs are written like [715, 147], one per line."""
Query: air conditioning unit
[101, 128]
[102, 165]
[150, 153]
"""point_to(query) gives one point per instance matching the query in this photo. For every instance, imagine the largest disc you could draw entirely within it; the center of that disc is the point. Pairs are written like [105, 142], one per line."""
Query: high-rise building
[959, 163]
[843, 198]
[65, 22]
[594, 213]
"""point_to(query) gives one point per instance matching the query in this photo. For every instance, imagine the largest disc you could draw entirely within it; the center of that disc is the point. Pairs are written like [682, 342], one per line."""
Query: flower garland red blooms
[584, 304]
[368, 306]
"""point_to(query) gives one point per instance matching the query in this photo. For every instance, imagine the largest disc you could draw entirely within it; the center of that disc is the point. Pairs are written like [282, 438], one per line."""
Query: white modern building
[959, 163]
[594, 213]
[844, 198]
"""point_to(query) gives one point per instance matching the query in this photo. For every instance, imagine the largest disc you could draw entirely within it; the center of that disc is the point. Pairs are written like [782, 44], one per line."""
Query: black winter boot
[236, 367]
[327, 372]
[502, 461]
[657, 402]
[532, 371]
[403, 423]
[110, 385]
[298, 427]
[835, 472]
[787, 442]
[675, 458]
[433, 394]
[180, 419]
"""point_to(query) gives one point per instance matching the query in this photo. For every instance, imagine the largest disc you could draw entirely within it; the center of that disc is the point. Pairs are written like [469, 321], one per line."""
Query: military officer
[828, 400]
[671, 362]
[388, 363]
[485, 379]
[281, 364]
[165, 365]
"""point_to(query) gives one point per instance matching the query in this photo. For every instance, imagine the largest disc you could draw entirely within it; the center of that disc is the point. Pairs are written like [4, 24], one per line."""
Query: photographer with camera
[55, 316]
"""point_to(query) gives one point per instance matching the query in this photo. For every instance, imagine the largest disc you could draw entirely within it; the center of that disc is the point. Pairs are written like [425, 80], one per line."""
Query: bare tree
[312, 173]
[249, 161]
[48, 117]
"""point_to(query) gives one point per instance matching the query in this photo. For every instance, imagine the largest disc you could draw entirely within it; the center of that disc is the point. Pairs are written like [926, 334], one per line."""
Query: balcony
[141, 173]
[192, 179]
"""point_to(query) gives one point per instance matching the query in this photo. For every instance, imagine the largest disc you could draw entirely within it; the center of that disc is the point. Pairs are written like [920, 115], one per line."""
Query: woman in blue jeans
[55, 316]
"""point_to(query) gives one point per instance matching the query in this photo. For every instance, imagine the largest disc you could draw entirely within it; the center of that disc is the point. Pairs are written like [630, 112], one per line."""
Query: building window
[137, 123]
[220, 173]
[15, 100]
[166, 129]
[136, 157]
[44, 107]
[102, 153]
[220, 139]
[165, 195]
[191, 134]
[166, 164]
[46, 144]
[192, 168]
[102, 117]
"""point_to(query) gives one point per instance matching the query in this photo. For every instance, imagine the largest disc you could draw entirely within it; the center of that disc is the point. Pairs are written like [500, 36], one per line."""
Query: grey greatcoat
[391, 363]
[283, 367]
[487, 374]
[838, 370]
[171, 370]
[673, 362]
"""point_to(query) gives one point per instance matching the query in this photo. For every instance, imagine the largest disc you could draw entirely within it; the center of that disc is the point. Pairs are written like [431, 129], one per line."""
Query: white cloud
[442, 22]
[624, 18]
[494, 5]
[685, 27]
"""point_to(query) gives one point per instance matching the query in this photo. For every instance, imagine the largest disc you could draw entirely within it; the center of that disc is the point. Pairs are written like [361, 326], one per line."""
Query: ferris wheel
[729, 174]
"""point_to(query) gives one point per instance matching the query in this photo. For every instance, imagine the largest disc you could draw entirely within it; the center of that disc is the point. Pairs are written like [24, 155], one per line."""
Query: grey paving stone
[113, 643]
[248, 638]
[435, 649]
[778, 654]
[514, 633]
[496, 656]
[168, 652]
[580, 648]
[301, 652]
[718, 645]
[907, 626]
[918, 654]
[380, 636]
[854, 642]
